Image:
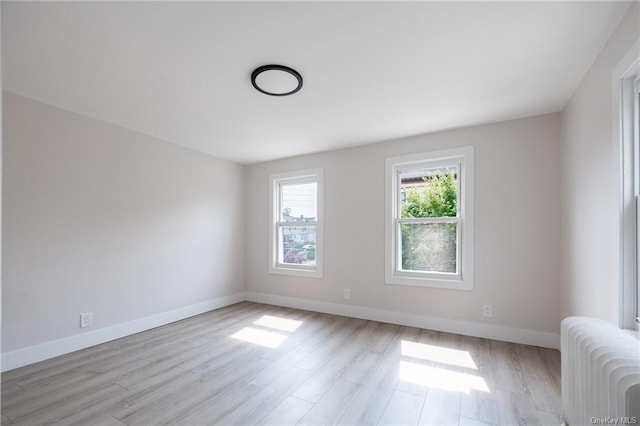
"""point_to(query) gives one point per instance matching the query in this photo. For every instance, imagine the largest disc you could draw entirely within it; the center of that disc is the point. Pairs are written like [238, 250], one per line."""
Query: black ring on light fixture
[274, 67]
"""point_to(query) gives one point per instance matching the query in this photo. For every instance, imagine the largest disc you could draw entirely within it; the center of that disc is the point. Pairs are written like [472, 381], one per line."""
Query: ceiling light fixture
[276, 80]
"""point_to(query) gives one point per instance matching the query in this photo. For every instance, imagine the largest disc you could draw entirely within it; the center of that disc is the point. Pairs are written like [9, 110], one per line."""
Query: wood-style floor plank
[289, 412]
[368, 405]
[440, 407]
[332, 406]
[253, 409]
[335, 364]
[481, 406]
[251, 363]
[516, 408]
[402, 409]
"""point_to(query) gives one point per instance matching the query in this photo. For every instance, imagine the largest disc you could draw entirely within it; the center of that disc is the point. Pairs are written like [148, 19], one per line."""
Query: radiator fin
[600, 371]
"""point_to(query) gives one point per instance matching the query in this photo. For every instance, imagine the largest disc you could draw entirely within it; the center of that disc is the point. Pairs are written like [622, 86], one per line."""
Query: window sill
[450, 284]
[633, 333]
[308, 273]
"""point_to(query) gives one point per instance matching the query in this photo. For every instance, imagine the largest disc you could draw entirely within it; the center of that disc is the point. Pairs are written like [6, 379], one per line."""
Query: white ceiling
[373, 71]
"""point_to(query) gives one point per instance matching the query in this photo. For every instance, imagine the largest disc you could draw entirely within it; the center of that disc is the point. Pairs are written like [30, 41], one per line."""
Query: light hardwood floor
[259, 364]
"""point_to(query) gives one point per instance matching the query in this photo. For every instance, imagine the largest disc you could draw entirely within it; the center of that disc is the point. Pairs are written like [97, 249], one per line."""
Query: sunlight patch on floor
[268, 339]
[441, 378]
[278, 323]
[438, 354]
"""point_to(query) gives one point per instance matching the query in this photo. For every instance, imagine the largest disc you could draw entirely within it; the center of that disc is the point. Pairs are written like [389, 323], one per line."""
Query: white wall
[100, 219]
[517, 198]
[590, 189]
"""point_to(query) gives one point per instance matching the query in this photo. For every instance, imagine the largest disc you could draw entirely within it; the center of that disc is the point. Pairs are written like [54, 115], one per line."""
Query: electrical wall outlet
[487, 311]
[86, 319]
[347, 294]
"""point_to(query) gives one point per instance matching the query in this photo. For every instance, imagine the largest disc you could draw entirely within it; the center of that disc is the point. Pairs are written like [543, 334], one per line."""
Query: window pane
[298, 202]
[298, 245]
[429, 247]
[429, 192]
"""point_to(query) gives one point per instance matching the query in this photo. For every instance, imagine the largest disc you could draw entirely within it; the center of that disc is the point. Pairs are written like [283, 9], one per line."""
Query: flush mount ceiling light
[276, 80]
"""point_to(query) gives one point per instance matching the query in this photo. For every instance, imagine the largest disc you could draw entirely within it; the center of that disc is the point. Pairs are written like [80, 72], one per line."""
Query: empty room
[319, 213]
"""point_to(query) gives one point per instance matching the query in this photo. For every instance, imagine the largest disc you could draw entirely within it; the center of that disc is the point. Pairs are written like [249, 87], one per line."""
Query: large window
[296, 226]
[429, 229]
[627, 76]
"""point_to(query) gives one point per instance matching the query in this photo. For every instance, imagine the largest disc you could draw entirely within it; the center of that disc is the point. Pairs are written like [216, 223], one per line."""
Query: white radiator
[600, 373]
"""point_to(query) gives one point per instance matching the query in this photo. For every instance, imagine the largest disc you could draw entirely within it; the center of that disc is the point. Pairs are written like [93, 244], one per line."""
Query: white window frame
[463, 279]
[626, 128]
[275, 182]
[636, 182]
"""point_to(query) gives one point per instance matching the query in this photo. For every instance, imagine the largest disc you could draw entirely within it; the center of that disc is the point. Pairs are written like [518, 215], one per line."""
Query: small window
[429, 224]
[296, 233]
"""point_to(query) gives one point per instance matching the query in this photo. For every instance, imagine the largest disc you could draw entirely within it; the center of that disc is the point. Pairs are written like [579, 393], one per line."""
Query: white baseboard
[488, 331]
[41, 352]
[32, 354]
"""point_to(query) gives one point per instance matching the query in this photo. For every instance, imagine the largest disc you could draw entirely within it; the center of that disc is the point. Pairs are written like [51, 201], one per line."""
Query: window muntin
[295, 234]
[429, 223]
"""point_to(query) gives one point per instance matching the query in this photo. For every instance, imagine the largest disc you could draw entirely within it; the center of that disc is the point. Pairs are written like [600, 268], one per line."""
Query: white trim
[467, 328]
[44, 351]
[299, 176]
[623, 77]
[421, 220]
[41, 352]
[1, 179]
[464, 157]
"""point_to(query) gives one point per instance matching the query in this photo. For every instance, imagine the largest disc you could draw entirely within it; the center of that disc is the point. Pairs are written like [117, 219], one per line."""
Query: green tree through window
[439, 199]
[430, 246]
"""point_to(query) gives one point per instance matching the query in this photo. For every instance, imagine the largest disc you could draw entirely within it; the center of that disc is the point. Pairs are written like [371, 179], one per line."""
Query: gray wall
[517, 196]
[590, 190]
[101, 219]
